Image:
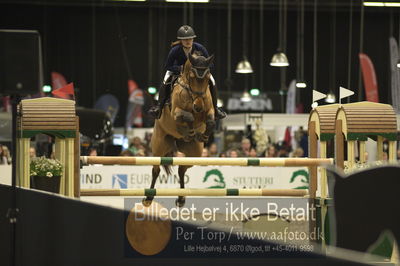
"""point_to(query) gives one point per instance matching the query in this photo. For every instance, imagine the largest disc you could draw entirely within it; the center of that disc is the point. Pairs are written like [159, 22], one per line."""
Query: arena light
[301, 85]
[187, 1]
[392, 4]
[246, 97]
[374, 4]
[255, 92]
[330, 98]
[244, 67]
[152, 90]
[220, 103]
[46, 88]
[382, 4]
[279, 60]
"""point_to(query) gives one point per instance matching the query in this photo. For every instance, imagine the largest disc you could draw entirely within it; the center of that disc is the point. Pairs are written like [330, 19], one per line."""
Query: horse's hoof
[187, 139]
[147, 201]
[201, 137]
[180, 202]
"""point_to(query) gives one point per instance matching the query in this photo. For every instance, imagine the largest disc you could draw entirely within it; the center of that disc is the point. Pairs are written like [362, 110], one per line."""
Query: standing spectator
[271, 151]
[298, 152]
[304, 143]
[136, 145]
[366, 156]
[147, 143]
[283, 152]
[92, 151]
[253, 153]
[385, 156]
[245, 147]
[32, 152]
[1, 155]
[5, 157]
[205, 152]
[233, 153]
[213, 150]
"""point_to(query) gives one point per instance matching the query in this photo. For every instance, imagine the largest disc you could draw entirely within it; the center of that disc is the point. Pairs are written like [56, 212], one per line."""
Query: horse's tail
[168, 168]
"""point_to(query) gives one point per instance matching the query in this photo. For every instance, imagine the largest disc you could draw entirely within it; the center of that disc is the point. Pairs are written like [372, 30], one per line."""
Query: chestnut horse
[188, 121]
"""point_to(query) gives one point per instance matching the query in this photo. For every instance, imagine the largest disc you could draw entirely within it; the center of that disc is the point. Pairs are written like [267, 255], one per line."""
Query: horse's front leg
[210, 126]
[180, 202]
[184, 121]
[155, 173]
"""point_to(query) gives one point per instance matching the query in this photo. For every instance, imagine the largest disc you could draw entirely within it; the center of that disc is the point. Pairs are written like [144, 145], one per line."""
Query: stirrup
[154, 111]
[219, 114]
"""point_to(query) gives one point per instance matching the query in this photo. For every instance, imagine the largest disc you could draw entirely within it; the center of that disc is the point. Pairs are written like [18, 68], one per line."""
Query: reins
[189, 88]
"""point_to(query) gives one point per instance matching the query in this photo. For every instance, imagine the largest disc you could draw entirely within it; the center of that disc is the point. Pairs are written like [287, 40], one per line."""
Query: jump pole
[210, 192]
[126, 160]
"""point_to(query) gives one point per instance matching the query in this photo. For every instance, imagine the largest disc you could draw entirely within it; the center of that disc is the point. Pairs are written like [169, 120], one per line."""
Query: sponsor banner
[255, 105]
[261, 103]
[106, 177]
[232, 228]
[394, 71]
[291, 98]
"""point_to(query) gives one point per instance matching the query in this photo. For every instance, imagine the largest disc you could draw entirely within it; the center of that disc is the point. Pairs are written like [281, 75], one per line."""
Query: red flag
[57, 80]
[369, 78]
[6, 104]
[132, 85]
[65, 92]
[288, 137]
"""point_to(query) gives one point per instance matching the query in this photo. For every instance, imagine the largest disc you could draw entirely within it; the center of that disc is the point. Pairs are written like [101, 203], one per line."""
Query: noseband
[189, 88]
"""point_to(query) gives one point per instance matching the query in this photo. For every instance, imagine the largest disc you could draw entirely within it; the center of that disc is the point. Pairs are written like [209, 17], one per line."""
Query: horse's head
[197, 75]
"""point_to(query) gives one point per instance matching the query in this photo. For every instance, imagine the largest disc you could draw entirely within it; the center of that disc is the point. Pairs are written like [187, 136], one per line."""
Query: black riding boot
[219, 113]
[163, 94]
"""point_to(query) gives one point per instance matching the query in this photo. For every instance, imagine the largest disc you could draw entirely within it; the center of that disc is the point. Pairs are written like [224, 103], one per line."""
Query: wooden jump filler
[321, 126]
[356, 122]
[54, 117]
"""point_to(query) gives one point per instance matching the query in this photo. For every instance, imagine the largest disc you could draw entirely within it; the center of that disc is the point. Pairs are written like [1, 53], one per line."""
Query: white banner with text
[106, 177]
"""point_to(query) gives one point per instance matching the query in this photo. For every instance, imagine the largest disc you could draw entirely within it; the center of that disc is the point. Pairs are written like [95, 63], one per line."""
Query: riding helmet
[185, 32]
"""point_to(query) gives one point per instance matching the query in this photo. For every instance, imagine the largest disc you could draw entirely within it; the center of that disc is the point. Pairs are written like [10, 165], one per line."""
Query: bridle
[189, 88]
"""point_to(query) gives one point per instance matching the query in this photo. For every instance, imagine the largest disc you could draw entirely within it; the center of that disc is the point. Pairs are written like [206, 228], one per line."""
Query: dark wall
[99, 48]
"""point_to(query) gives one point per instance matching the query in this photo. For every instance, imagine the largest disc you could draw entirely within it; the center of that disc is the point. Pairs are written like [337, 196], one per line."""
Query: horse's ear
[210, 60]
[191, 58]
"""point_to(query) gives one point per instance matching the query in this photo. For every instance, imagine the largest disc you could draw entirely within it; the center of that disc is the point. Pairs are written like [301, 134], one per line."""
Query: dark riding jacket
[177, 57]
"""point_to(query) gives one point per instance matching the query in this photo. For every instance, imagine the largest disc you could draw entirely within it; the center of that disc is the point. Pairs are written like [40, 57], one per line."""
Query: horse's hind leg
[190, 149]
[155, 173]
[180, 202]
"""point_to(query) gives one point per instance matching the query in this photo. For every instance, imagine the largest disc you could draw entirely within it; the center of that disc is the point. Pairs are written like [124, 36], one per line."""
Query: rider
[176, 59]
